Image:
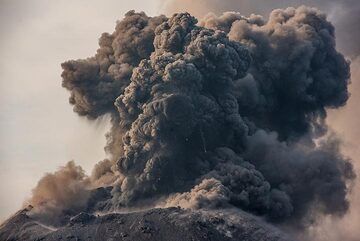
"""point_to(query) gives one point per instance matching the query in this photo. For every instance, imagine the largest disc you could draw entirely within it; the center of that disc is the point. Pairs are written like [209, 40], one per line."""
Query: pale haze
[38, 130]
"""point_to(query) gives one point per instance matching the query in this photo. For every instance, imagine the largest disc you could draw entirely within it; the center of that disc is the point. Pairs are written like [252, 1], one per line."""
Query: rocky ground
[170, 224]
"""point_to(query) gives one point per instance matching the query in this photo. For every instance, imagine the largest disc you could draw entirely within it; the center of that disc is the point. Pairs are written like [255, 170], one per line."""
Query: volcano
[174, 224]
[218, 132]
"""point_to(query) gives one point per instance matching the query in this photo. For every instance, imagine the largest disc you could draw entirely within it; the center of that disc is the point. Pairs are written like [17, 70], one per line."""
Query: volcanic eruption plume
[227, 111]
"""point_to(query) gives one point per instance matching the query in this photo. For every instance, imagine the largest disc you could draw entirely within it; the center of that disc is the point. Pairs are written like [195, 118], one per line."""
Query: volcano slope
[173, 224]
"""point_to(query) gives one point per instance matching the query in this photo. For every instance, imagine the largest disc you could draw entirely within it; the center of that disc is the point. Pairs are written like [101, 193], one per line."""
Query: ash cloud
[344, 14]
[295, 65]
[95, 82]
[228, 111]
[61, 193]
[210, 193]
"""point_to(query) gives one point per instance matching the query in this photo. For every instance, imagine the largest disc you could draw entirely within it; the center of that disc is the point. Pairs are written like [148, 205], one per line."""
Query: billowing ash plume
[66, 189]
[289, 88]
[96, 82]
[225, 112]
[344, 14]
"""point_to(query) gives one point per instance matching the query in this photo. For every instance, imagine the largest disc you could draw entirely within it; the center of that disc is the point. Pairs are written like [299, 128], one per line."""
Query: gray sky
[38, 130]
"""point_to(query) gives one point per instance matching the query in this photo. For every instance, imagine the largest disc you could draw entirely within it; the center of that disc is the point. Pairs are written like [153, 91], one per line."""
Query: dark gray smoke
[226, 112]
[343, 13]
[97, 81]
[306, 61]
[345, 16]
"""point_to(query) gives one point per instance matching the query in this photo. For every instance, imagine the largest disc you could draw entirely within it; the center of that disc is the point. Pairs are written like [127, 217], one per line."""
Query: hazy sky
[38, 130]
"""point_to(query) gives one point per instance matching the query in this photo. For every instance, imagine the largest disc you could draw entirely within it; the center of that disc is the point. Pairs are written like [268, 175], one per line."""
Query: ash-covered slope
[173, 224]
[21, 227]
